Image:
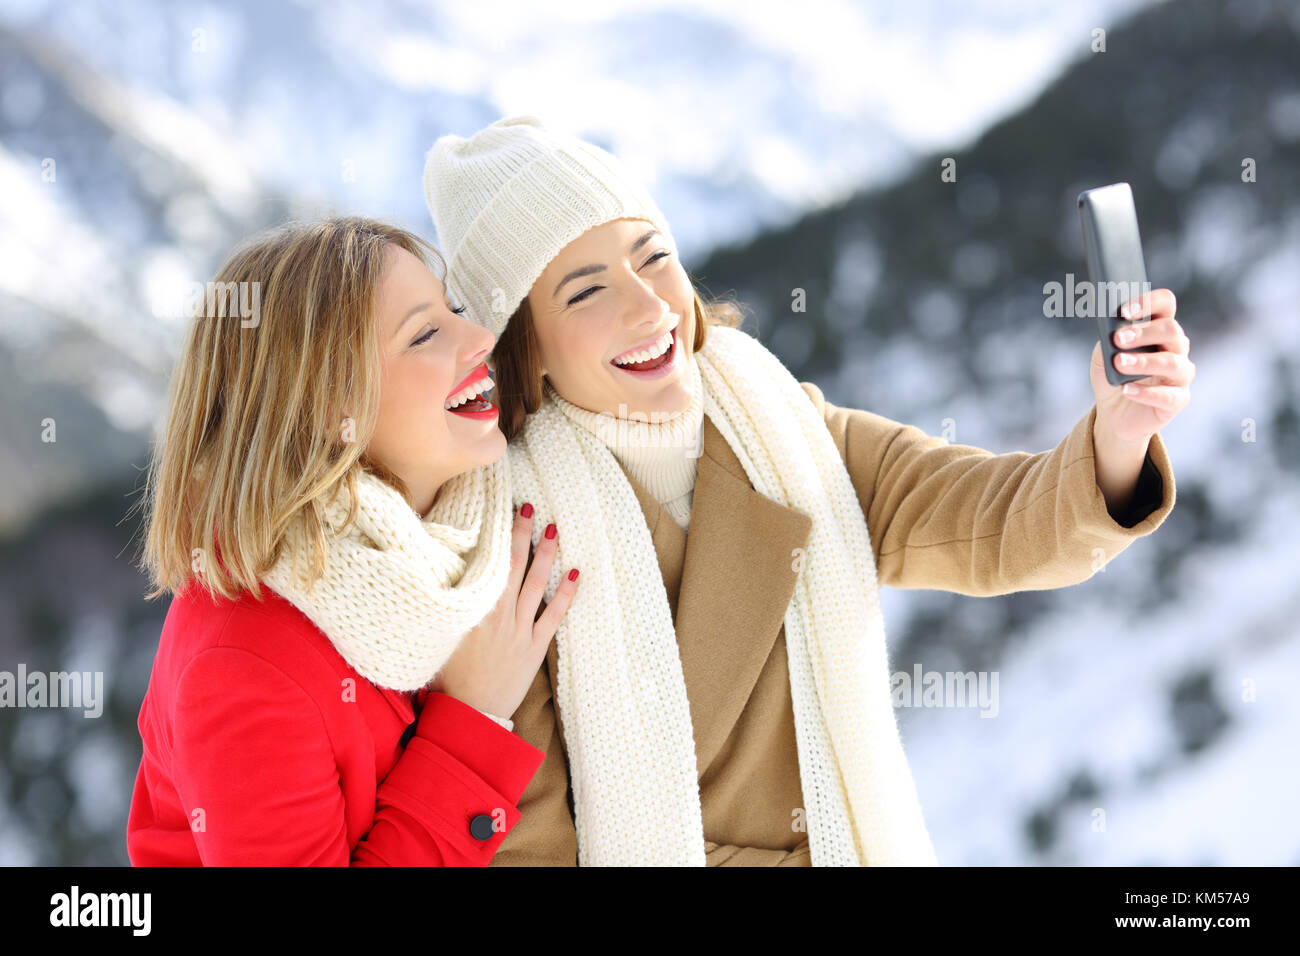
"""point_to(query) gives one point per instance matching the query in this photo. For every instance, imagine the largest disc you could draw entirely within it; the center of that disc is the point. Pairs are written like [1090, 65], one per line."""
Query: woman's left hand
[1166, 387]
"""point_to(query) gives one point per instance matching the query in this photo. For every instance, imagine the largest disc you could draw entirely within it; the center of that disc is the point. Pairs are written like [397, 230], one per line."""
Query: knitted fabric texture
[661, 454]
[400, 591]
[620, 689]
[508, 198]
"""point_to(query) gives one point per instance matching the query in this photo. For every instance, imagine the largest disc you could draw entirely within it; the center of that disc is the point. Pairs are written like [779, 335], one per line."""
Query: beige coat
[941, 516]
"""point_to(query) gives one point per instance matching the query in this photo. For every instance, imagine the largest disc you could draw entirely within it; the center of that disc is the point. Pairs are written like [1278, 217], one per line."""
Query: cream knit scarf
[619, 688]
[400, 591]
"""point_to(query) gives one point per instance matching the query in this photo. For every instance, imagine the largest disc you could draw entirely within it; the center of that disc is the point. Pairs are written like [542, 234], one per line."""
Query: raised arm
[959, 518]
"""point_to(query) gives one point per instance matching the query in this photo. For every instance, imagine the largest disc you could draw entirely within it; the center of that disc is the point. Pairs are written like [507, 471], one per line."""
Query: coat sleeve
[253, 764]
[546, 835]
[959, 518]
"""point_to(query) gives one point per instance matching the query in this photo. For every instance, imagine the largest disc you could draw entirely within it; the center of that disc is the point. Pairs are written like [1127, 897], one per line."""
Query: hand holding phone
[1115, 265]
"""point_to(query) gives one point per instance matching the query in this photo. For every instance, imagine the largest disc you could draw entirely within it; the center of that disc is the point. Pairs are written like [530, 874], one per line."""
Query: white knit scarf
[400, 591]
[620, 689]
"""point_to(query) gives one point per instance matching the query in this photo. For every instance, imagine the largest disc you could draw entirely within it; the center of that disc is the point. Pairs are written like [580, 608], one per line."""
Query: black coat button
[480, 827]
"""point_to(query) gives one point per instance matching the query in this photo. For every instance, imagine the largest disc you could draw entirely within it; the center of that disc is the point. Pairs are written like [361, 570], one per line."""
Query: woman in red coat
[335, 675]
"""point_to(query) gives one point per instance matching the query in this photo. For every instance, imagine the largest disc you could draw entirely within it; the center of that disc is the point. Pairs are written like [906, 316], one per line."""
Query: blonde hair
[267, 420]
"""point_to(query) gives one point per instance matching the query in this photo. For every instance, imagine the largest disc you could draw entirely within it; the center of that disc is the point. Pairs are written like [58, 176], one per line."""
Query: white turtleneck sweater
[661, 455]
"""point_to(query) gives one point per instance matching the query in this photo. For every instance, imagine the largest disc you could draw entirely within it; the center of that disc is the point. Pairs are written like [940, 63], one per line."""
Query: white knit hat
[506, 200]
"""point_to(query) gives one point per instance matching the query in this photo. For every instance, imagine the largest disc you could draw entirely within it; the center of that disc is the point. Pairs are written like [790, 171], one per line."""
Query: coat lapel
[400, 702]
[737, 581]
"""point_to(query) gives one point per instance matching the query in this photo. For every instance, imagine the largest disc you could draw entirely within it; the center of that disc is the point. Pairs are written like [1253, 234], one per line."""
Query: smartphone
[1115, 266]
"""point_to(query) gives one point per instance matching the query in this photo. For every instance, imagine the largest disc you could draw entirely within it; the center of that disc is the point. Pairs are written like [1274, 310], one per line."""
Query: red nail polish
[526, 510]
[550, 530]
[573, 575]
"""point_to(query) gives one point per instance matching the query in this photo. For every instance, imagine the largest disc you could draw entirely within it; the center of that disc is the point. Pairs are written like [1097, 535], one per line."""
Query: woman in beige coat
[558, 251]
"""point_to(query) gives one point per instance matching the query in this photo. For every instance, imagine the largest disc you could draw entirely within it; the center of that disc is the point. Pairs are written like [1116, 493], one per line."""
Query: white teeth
[473, 390]
[643, 355]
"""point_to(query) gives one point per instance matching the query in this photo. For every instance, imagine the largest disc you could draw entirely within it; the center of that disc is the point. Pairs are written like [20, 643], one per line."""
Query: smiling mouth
[468, 399]
[647, 359]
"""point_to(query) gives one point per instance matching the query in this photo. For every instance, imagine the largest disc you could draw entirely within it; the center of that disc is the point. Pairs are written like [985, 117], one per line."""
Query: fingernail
[550, 530]
[1130, 389]
[526, 510]
[1125, 337]
[1128, 310]
[573, 575]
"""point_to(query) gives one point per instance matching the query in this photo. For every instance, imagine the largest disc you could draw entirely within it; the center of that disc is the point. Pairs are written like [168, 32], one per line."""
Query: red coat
[263, 746]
